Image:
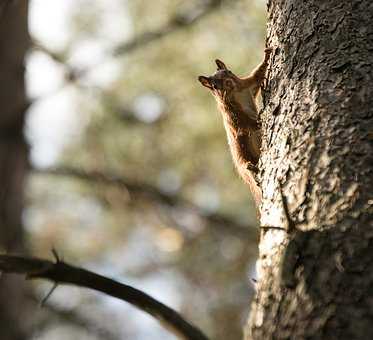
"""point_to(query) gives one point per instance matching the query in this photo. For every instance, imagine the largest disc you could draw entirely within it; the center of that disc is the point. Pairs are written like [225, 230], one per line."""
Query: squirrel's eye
[228, 83]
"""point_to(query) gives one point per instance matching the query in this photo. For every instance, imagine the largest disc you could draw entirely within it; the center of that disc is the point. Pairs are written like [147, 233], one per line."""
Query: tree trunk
[315, 265]
[14, 41]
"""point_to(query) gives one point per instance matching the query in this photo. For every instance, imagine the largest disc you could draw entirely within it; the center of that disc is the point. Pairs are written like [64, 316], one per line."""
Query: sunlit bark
[316, 265]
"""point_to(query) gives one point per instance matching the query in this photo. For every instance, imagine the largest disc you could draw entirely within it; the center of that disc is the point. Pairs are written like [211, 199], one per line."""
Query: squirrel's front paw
[253, 168]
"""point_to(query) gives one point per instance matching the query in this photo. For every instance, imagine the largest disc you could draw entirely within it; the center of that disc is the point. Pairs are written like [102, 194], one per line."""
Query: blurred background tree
[14, 42]
[131, 172]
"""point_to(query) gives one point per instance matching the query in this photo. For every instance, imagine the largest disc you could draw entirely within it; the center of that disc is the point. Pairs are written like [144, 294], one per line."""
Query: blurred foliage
[153, 123]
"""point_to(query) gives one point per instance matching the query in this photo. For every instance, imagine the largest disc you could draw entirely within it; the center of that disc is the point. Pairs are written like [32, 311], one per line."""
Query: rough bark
[316, 265]
[14, 41]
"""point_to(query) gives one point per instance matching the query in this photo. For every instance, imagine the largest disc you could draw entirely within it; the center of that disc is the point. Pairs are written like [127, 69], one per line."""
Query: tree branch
[176, 23]
[63, 273]
[152, 193]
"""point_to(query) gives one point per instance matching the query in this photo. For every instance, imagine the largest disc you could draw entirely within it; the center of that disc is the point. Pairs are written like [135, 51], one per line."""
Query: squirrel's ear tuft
[205, 81]
[220, 65]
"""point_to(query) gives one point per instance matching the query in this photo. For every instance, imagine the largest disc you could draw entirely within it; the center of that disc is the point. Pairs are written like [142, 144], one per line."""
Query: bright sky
[54, 119]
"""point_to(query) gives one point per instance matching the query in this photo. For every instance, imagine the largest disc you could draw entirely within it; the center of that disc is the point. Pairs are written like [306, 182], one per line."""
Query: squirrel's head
[222, 83]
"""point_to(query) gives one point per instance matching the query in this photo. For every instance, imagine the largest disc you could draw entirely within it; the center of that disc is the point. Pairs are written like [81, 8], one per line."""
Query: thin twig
[271, 227]
[63, 273]
[154, 194]
[45, 299]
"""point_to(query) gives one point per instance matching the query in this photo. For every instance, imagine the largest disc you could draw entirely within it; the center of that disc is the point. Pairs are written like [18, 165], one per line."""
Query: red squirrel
[236, 99]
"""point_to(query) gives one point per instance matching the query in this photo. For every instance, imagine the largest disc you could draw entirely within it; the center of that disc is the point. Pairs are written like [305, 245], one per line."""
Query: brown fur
[236, 100]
